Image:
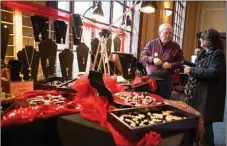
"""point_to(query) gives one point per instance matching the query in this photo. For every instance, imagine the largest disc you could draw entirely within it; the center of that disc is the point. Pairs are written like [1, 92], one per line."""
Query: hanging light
[98, 12]
[168, 11]
[148, 6]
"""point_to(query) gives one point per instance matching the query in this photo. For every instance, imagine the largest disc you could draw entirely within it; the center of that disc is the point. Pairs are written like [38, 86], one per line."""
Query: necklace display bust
[60, 28]
[40, 25]
[66, 62]
[48, 52]
[82, 55]
[15, 69]
[29, 59]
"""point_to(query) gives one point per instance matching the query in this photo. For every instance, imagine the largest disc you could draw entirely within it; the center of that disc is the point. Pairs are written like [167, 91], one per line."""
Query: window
[118, 11]
[7, 20]
[106, 11]
[81, 10]
[27, 31]
[64, 6]
[178, 21]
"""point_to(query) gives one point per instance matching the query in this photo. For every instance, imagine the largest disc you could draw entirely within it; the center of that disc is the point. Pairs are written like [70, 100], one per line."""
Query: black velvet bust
[40, 25]
[4, 40]
[34, 65]
[128, 62]
[108, 46]
[117, 44]
[48, 52]
[15, 69]
[77, 30]
[77, 34]
[60, 28]
[66, 62]
[82, 55]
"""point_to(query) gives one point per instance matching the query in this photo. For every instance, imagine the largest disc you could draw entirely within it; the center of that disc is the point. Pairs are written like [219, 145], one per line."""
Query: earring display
[48, 52]
[141, 120]
[60, 28]
[29, 59]
[66, 62]
[40, 25]
[55, 83]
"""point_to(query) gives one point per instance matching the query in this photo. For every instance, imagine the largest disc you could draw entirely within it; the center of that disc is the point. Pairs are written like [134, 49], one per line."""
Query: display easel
[104, 34]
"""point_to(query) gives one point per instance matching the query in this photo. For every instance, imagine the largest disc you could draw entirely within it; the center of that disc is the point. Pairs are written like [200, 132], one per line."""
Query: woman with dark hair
[208, 91]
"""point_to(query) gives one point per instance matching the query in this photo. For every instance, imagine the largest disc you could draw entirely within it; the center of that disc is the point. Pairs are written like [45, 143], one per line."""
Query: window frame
[178, 21]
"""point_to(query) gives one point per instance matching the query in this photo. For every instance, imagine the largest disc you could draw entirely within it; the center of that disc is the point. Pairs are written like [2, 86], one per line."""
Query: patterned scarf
[190, 90]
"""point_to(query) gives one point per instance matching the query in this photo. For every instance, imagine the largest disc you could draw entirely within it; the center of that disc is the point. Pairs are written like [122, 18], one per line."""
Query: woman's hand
[187, 69]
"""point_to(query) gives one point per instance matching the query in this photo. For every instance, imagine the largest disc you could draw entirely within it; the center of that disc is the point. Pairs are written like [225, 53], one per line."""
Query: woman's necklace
[29, 63]
[62, 36]
[40, 31]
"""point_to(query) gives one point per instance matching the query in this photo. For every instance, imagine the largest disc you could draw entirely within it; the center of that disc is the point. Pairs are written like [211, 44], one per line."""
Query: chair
[179, 81]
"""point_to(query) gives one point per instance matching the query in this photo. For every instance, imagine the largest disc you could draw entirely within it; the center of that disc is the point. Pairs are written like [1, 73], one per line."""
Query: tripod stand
[102, 50]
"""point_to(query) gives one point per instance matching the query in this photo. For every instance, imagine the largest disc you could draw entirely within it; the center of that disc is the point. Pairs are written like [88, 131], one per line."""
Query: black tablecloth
[77, 131]
[67, 130]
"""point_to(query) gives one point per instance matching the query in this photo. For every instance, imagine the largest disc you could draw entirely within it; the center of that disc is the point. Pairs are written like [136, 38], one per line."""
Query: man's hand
[157, 61]
[166, 65]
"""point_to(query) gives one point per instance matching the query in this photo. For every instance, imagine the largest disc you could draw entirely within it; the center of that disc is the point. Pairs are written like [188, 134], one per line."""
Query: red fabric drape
[95, 108]
[37, 9]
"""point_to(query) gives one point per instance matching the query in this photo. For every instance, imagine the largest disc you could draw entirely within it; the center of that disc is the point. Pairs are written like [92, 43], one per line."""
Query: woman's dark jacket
[210, 72]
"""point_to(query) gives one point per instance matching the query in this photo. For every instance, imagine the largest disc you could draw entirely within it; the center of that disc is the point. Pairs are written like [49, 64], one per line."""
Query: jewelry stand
[15, 69]
[117, 44]
[29, 58]
[82, 55]
[60, 28]
[77, 29]
[48, 52]
[66, 63]
[128, 62]
[4, 41]
[40, 25]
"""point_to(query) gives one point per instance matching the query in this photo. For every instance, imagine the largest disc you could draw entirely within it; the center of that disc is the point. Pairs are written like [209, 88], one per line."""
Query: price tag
[16, 88]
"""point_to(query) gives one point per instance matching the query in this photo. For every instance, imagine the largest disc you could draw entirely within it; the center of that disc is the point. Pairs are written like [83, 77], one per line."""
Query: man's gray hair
[164, 26]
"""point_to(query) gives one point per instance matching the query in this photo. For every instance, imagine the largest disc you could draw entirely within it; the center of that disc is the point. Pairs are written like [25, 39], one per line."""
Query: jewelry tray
[42, 84]
[164, 129]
